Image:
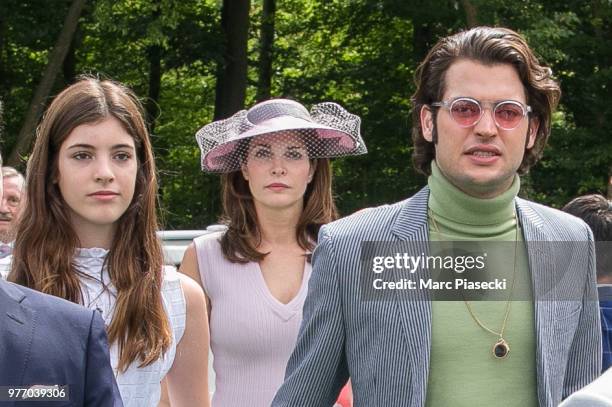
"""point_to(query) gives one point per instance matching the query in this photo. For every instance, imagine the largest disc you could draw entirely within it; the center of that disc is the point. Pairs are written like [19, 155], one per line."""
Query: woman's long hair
[46, 241]
[239, 243]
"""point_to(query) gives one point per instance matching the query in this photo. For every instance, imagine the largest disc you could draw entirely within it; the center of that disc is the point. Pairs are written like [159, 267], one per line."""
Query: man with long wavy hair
[53, 350]
[482, 115]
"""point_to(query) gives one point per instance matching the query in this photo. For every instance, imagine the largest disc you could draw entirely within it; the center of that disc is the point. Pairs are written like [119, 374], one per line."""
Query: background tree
[265, 50]
[362, 54]
[232, 71]
[154, 57]
[56, 61]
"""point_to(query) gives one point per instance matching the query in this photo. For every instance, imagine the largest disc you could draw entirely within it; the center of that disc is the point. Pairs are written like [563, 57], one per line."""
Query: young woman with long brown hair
[276, 194]
[88, 234]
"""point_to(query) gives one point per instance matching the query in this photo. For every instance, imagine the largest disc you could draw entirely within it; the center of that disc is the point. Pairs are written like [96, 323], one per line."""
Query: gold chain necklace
[501, 348]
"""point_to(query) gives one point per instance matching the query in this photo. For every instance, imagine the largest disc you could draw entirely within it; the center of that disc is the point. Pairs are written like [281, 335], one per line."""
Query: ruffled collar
[91, 261]
[91, 252]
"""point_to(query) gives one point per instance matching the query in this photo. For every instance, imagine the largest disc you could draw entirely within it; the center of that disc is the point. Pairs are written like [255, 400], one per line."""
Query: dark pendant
[501, 349]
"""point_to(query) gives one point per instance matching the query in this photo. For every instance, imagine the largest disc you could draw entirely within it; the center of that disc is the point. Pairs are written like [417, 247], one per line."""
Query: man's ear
[534, 125]
[427, 124]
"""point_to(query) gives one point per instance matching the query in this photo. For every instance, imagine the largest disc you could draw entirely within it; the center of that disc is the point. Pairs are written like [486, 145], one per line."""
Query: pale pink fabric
[252, 334]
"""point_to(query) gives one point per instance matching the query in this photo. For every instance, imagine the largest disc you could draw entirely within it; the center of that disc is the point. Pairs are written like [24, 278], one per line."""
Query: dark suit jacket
[45, 340]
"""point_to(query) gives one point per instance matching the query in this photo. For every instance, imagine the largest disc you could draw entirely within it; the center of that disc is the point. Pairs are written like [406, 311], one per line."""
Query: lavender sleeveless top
[252, 334]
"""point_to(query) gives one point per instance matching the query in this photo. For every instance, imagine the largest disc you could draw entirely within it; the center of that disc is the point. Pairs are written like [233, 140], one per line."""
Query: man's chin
[488, 186]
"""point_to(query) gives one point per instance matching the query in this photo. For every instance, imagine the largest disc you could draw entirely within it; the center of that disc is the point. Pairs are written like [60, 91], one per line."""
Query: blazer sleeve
[317, 369]
[100, 385]
[584, 359]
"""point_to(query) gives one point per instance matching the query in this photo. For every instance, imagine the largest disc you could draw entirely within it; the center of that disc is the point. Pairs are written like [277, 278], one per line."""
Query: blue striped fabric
[384, 345]
[605, 310]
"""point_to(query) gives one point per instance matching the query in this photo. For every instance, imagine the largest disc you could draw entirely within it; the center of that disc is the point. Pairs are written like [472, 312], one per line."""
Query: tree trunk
[599, 15]
[2, 39]
[596, 8]
[421, 39]
[232, 69]
[2, 74]
[154, 56]
[471, 13]
[69, 65]
[610, 183]
[1, 119]
[265, 50]
[152, 105]
[56, 59]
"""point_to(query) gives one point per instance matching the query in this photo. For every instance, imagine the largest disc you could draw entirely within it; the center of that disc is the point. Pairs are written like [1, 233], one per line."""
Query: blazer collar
[534, 227]
[411, 226]
[411, 222]
[414, 311]
[11, 298]
[16, 331]
[536, 231]
[412, 219]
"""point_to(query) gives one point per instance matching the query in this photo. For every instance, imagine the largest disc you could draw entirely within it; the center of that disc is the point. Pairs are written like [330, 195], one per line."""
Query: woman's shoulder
[185, 291]
[191, 289]
[209, 238]
[170, 274]
[208, 245]
[171, 284]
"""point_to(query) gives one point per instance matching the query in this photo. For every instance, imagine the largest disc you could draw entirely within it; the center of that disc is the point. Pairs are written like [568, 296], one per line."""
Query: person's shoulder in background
[596, 394]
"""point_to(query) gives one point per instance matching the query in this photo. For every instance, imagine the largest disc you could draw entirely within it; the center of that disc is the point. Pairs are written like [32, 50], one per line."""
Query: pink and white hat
[328, 130]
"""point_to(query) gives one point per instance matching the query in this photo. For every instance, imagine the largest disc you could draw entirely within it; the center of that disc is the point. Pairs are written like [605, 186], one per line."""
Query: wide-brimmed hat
[328, 130]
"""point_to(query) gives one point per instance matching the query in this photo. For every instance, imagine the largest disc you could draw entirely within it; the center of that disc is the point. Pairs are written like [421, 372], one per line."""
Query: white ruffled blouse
[139, 387]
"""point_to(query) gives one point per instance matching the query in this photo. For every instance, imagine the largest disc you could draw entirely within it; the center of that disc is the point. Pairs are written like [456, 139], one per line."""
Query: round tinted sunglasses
[467, 112]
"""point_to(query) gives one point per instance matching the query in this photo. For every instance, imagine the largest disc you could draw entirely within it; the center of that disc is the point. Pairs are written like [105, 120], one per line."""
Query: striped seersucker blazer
[384, 346]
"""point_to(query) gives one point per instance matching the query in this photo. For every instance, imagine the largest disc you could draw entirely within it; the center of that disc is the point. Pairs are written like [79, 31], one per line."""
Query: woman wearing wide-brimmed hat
[276, 192]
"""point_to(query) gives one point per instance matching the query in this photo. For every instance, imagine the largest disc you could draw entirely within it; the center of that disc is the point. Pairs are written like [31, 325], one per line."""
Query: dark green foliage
[359, 53]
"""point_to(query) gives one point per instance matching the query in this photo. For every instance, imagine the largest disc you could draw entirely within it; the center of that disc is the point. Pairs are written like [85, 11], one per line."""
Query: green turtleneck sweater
[463, 370]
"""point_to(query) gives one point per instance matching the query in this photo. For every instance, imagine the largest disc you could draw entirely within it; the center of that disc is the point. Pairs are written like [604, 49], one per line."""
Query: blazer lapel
[16, 333]
[413, 306]
[539, 263]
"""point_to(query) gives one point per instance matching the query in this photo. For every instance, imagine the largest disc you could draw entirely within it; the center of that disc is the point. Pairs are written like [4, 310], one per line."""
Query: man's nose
[4, 208]
[486, 126]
